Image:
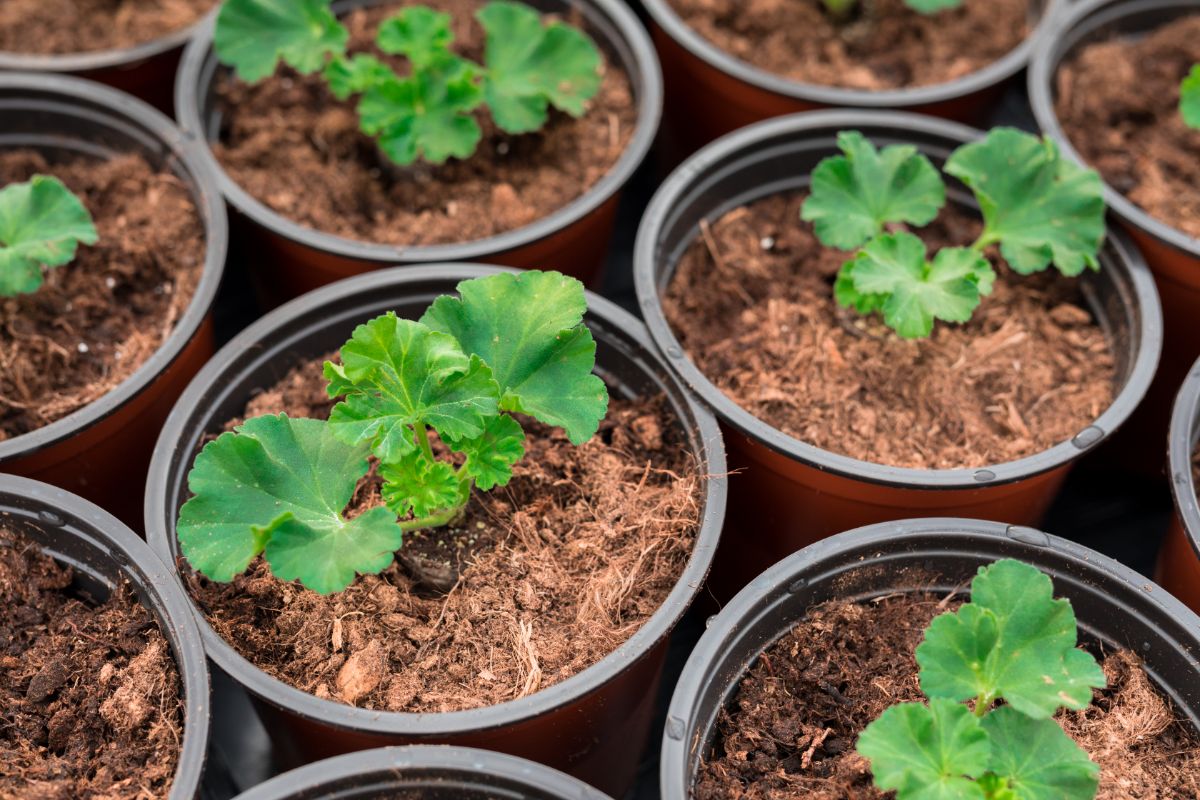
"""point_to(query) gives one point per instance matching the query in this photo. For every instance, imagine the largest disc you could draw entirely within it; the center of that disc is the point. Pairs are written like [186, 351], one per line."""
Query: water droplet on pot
[708, 622]
[984, 475]
[1087, 437]
[1033, 536]
[674, 352]
[675, 728]
[797, 585]
[50, 518]
[1181, 479]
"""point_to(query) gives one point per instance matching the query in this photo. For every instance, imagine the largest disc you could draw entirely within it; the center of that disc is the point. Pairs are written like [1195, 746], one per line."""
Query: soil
[885, 45]
[96, 320]
[1118, 102]
[552, 573]
[56, 27]
[90, 703]
[1030, 370]
[792, 726]
[296, 148]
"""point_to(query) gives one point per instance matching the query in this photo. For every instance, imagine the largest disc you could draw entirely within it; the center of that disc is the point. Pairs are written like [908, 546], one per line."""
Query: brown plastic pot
[289, 259]
[710, 92]
[786, 493]
[593, 725]
[1173, 256]
[102, 450]
[1179, 559]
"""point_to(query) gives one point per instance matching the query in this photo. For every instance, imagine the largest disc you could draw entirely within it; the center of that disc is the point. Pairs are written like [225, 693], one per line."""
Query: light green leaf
[396, 374]
[531, 66]
[1189, 98]
[419, 33]
[427, 115]
[854, 195]
[1037, 759]
[281, 484]
[347, 76]
[931, 6]
[252, 36]
[1012, 641]
[490, 457]
[41, 225]
[420, 486]
[529, 329]
[1040, 207]
[927, 752]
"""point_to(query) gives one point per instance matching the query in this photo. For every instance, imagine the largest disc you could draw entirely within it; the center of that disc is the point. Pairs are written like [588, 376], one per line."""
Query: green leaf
[427, 115]
[347, 76]
[280, 484]
[419, 33]
[1012, 641]
[396, 374]
[252, 36]
[1039, 760]
[419, 486]
[41, 224]
[529, 329]
[854, 195]
[490, 456]
[1189, 98]
[1040, 207]
[891, 273]
[931, 6]
[927, 752]
[531, 67]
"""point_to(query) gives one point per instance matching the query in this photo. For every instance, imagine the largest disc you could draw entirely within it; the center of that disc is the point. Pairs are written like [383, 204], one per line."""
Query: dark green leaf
[419, 33]
[419, 486]
[490, 457]
[252, 36]
[1189, 98]
[932, 6]
[1037, 759]
[355, 75]
[41, 224]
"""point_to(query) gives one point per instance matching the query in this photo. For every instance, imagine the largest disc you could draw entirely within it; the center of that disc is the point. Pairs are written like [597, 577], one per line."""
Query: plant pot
[1173, 256]
[432, 772]
[290, 259]
[1116, 608]
[711, 92]
[592, 725]
[1179, 560]
[786, 494]
[102, 551]
[102, 450]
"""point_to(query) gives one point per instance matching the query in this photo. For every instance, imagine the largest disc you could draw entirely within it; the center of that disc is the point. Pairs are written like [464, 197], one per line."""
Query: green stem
[430, 521]
[982, 703]
[423, 440]
[840, 9]
[986, 238]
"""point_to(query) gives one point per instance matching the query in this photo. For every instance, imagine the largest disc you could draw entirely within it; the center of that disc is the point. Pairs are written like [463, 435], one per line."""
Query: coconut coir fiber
[56, 27]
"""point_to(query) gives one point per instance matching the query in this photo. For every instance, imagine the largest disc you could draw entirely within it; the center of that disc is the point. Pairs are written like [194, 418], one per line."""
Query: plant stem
[431, 521]
[982, 703]
[423, 440]
[840, 9]
[986, 238]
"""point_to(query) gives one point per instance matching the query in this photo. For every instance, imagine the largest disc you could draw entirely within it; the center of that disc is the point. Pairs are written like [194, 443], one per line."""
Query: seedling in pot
[41, 226]
[428, 113]
[843, 9]
[1189, 98]
[278, 486]
[1038, 208]
[1012, 643]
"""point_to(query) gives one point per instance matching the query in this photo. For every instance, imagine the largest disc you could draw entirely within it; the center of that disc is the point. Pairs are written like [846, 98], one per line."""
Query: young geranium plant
[508, 344]
[1038, 208]
[42, 225]
[842, 9]
[1189, 98]
[429, 112]
[1012, 643]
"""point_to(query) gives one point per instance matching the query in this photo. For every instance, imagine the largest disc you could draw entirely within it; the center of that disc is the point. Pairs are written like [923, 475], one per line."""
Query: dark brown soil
[293, 146]
[1031, 369]
[90, 703]
[565, 564]
[791, 729]
[1118, 102]
[78, 26]
[886, 45]
[96, 320]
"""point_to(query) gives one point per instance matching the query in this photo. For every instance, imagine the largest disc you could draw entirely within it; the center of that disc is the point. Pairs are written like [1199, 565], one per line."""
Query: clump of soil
[798, 712]
[90, 703]
[886, 45]
[96, 320]
[55, 27]
[1118, 102]
[752, 303]
[296, 148]
[552, 573]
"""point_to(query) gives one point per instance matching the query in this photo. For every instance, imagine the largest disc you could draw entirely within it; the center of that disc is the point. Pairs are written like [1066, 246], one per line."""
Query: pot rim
[209, 207]
[1043, 69]
[1180, 447]
[645, 76]
[680, 182]
[182, 634]
[335, 714]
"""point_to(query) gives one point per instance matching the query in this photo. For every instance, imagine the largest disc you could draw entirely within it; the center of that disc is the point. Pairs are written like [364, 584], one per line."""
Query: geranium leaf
[931, 6]
[491, 455]
[427, 115]
[347, 76]
[1189, 98]
[1041, 208]
[41, 224]
[1037, 760]
[253, 36]
[854, 195]
[418, 33]
[529, 329]
[419, 486]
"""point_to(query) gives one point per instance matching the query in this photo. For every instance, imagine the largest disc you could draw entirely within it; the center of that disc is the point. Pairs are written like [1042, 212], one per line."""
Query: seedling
[276, 485]
[1039, 208]
[842, 9]
[1013, 643]
[428, 113]
[1189, 98]
[41, 226]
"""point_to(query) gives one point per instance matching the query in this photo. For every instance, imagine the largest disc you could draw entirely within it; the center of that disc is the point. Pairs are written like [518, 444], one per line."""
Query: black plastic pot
[785, 493]
[1116, 608]
[103, 551]
[290, 259]
[432, 773]
[1179, 560]
[102, 450]
[592, 725]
